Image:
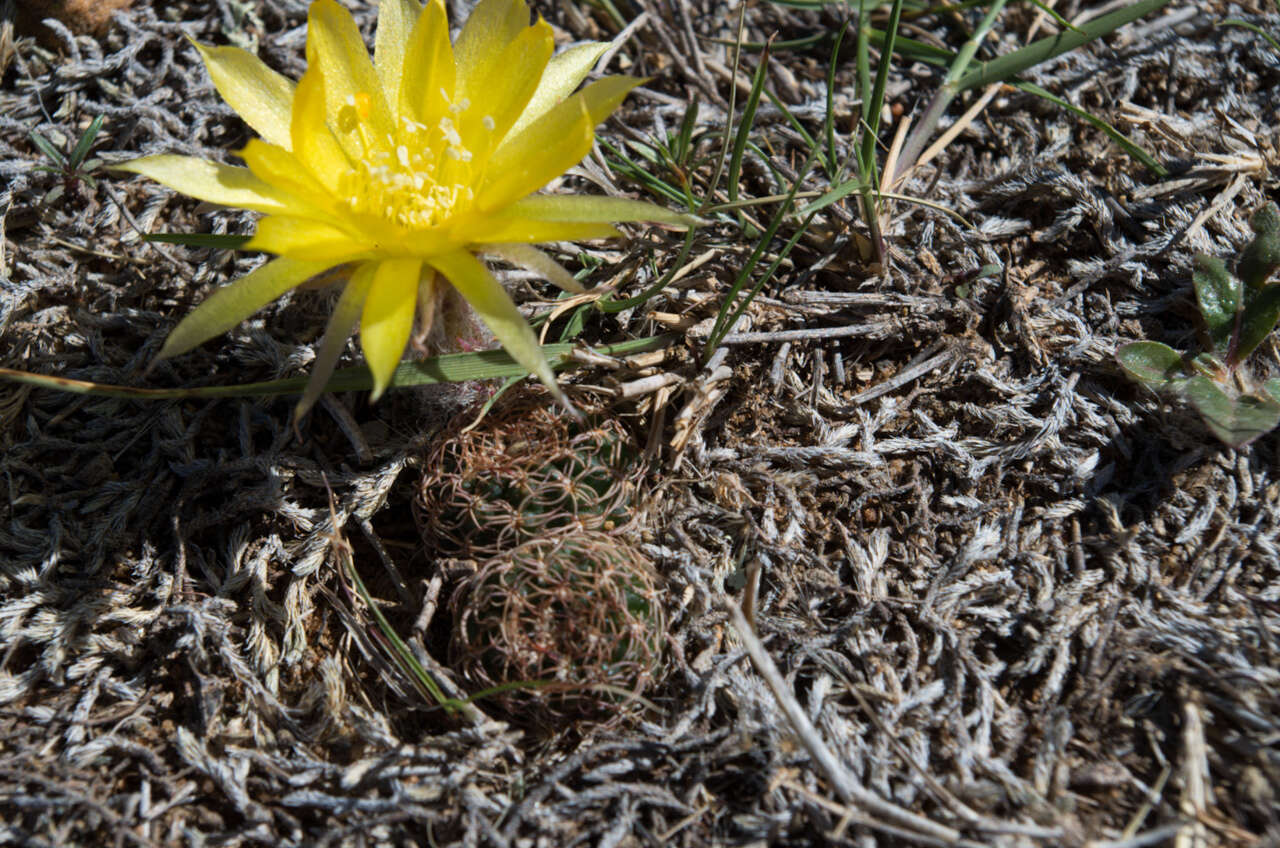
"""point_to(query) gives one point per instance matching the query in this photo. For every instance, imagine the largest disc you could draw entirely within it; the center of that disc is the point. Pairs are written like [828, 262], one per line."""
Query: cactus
[526, 472]
[575, 617]
[1239, 310]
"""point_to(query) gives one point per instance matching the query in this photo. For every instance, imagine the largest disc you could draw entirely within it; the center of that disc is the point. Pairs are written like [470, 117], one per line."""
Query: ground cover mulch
[1012, 598]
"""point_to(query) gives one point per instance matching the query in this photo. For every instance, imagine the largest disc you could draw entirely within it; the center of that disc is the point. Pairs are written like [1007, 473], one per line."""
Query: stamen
[450, 133]
[400, 179]
[363, 103]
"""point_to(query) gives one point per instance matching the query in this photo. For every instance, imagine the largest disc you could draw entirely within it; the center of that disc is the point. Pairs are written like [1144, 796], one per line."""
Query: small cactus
[526, 472]
[575, 616]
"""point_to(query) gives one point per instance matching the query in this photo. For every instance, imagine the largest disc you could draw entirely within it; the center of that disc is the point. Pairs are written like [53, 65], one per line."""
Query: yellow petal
[491, 27]
[280, 168]
[306, 239]
[231, 304]
[258, 94]
[351, 85]
[341, 323]
[549, 207]
[487, 297]
[564, 73]
[396, 19]
[427, 88]
[313, 142]
[532, 259]
[388, 318]
[555, 143]
[552, 144]
[599, 98]
[225, 185]
[511, 228]
[508, 87]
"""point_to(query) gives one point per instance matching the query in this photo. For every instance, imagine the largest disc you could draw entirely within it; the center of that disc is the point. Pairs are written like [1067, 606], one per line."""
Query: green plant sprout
[73, 168]
[1239, 310]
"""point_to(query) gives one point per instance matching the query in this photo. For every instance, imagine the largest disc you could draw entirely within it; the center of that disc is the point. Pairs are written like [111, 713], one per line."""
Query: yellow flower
[405, 167]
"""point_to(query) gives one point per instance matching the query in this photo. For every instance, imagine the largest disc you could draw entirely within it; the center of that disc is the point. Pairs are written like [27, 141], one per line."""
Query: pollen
[409, 183]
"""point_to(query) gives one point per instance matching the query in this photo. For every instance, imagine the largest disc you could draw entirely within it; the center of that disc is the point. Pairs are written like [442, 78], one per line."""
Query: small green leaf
[46, 147]
[683, 144]
[1261, 258]
[86, 141]
[1272, 388]
[1261, 312]
[1236, 421]
[1153, 364]
[1219, 294]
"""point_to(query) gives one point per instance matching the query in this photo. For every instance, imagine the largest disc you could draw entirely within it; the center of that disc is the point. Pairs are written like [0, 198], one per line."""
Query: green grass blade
[909, 48]
[928, 122]
[1044, 49]
[779, 46]
[448, 368]
[862, 58]
[713, 341]
[809, 140]
[872, 110]
[400, 653]
[745, 124]
[684, 138]
[779, 181]
[1118, 137]
[1256, 30]
[1057, 19]
[718, 171]
[628, 167]
[610, 307]
[840, 192]
[723, 322]
[614, 15]
[829, 119]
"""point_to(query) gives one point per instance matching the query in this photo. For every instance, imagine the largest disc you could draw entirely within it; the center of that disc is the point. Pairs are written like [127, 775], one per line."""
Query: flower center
[416, 179]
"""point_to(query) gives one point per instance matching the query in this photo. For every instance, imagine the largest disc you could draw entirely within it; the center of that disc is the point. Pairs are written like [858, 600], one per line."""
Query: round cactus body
[577, 617]
[526, 472]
